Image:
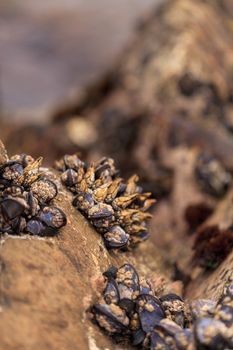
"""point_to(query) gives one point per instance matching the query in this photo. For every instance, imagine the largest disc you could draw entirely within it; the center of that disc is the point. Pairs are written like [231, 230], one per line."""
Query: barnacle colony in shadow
[129, 311]
[117, 209]
[25, 198]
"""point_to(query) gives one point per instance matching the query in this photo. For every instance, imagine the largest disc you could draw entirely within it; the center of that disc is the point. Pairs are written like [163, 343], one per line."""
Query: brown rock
[210, 283]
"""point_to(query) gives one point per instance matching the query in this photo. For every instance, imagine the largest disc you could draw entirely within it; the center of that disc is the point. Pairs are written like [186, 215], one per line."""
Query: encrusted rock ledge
[47, 284]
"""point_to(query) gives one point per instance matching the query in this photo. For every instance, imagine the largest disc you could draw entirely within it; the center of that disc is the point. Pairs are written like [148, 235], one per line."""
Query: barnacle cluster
[117, 209]
[25, 198]
[211, 176]
[129, 311]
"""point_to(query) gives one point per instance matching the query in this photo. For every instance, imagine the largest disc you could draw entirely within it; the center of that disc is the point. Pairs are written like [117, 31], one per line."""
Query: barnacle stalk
[116, 208]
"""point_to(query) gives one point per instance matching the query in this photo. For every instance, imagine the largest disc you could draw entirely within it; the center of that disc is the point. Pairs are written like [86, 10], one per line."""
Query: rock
[3, 153]
[48, 284]
[164, 102]
[209, 284]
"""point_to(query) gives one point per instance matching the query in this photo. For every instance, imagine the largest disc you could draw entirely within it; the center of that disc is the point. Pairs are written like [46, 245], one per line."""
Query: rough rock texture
[172, 234]
[169, 98]
[47, 284]
[209, 284]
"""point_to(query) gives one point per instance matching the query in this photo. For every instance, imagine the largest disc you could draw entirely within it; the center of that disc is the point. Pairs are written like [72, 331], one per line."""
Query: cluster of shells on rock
[117, 209]
[211, 175]
[130, 312]
[26, 196]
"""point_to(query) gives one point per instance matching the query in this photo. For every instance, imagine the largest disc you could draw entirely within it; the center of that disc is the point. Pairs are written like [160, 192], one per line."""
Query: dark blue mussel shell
[150, 311]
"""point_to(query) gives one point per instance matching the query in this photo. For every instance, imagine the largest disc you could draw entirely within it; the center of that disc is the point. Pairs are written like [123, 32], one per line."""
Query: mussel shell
[100, 211]
[6, 228]
[128, 281]
[70, 177]
[8, 163]
[157, 342]
[202, 308]
[183, 339]
[49, 231]
[111, 294]
[11, 208]
[169, 302]
[4, 183]
[111, 272]
[25, 159]
[72, 161]
[102, 225]
[227, 295]
[170, 297]
[151, 313]
[128, 305]
[46, 194]
[32, 203]
[145, 289]
[116, 237]
[121, 189]
[168, 327]
[138, 337]
[112, 323]
[13, 227]
[35, 227]
[210, 334]
[14, 166]
[224, 313]
[13, 190]
[53, 217]
[139, 237]
[14, 175]
[83, 201]
[16, 225]
[229, 291]
[100, 169]
[209, 172]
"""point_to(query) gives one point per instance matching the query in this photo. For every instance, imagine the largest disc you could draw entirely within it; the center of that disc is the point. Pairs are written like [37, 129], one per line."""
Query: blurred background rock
[49, 49]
